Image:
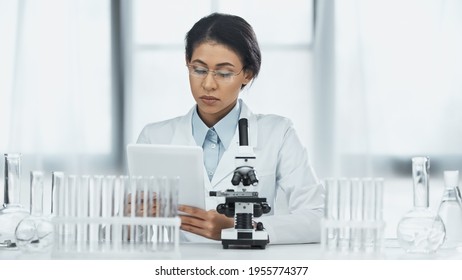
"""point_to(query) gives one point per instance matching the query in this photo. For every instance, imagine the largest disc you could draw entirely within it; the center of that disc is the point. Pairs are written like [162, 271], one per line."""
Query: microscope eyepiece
[243, 133]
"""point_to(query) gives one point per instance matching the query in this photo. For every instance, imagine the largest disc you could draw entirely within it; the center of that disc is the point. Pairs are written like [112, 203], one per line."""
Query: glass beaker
[11, 212]
[450, 211]
[35, 232]
[421, 230]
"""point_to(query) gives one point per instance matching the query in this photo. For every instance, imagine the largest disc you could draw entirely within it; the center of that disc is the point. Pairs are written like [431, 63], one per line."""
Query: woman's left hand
[205, 223]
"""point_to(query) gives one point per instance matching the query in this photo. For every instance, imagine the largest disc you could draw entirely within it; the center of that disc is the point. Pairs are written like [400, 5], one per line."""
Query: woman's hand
[205, 223]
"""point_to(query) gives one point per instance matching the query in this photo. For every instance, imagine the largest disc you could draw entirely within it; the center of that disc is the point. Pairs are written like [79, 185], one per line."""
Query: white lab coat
[282, 162]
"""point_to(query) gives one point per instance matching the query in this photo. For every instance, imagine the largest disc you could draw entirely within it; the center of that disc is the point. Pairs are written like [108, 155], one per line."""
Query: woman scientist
[223, 56]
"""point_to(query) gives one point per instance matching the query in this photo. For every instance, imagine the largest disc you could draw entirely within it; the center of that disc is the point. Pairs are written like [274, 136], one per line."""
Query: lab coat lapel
[226, 165]
[183, 132]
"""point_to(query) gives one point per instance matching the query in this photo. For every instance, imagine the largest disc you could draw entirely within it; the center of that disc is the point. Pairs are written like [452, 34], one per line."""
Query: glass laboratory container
[450, 210]
[420, 230]
[11, 212]
[35, 233]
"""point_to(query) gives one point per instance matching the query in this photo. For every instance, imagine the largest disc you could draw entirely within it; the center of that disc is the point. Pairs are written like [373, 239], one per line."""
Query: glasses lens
[224, 75]
[219, 75]
[198, 71]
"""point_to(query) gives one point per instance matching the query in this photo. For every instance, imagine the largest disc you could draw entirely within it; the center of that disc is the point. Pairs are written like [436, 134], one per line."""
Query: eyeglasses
[219, 75]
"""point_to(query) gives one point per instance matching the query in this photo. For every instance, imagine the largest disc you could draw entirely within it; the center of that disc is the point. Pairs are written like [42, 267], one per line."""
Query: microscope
[242, 204]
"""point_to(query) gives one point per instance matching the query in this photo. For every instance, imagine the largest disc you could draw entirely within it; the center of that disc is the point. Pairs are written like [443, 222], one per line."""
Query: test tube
[356, 214]
[174, 184]
[140, 230]
[107, 195]
[369, 214]
[174, 189]
[58, 202]
[155, 204]
[70, 229]
[118, 210]
[133, 189]
[57, 180]
[379, 184]
[95, 210]
[126, 207]
[163, 209]
[330, 233]
[344, 212]
[150, 204]
[146, 209]
[82, 185]
[36, 193]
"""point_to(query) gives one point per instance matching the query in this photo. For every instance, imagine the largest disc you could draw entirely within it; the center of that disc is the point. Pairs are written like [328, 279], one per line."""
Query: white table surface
[214, 251]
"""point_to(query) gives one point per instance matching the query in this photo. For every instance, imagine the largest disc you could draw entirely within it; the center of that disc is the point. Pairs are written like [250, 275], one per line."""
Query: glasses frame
[213, 72]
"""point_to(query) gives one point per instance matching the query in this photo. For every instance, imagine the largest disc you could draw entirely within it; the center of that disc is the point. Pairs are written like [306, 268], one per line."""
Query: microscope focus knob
[226, 209]
[221, 208]
[266, 208]
[260, 226]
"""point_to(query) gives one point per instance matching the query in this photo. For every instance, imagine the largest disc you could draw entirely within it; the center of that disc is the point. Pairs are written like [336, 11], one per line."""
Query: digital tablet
[185, 162]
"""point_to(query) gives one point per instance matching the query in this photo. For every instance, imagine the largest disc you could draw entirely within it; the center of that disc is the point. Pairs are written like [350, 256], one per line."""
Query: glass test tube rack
[353, 220]
[104, 217]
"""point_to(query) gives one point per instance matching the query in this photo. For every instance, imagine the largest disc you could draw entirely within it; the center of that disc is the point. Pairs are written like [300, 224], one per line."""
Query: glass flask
[450, 211]
[35, 233]
[11, 212]
[421, 230]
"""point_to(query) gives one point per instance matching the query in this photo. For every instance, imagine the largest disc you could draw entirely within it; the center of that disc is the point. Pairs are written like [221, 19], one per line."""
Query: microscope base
[246, 239]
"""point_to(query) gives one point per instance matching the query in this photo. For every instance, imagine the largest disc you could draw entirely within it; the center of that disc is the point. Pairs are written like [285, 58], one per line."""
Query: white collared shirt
[215, 140]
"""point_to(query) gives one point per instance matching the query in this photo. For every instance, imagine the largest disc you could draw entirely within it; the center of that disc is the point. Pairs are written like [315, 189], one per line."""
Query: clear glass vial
[421, 230]
[450, 211]
[11, 212]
